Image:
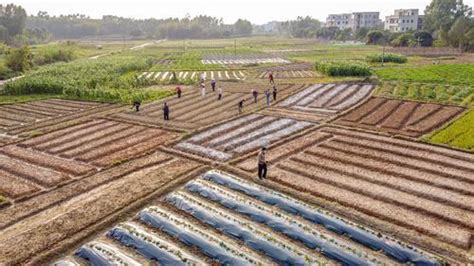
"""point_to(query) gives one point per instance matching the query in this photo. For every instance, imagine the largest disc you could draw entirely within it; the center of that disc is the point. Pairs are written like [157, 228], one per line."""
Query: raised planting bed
[222, 59]
[21, 117]
[43, 226]
[46, 161]
[240, 136]
[193, 110]
[401, 185]
[224, 219]
[400, 117]
[167, 76]
[322, 101]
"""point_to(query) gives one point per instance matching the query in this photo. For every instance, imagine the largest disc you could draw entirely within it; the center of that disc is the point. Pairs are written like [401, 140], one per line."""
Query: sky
[257, 11]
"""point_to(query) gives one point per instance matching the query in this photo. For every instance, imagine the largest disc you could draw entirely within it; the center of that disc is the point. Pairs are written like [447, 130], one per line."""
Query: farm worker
[255, 95]
[213, 84]
[262, 164]
[178, 91]
[241, 105]
[202, 77]
[274, 92]
[203, 89]
[219, 91]
[267, 95]
[166, 112]
[136, 104]
[270, 77]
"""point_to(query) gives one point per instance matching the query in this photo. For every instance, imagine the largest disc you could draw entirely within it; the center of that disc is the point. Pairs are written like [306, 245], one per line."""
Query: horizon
[230, 12]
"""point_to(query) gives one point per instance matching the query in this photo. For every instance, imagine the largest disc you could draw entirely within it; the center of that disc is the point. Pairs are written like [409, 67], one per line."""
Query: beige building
[403, 20]
[354, 20]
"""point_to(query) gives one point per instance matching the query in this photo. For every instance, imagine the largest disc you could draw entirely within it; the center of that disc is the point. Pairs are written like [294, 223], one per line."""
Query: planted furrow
[386, 168]
[14, 187]
[151, 246]
[132, 151]
[52, 111]
[72, 103]
[7, 122]
[258, 133]
[184, 107]
[203, 151]
[345, 95]
[250, 233]
[340, 166]
[34, 116]
[98, 253]
[383, 113]
[422, 112]
[14, 117]
[60, 133]
[46, 160]
[54, 107]
[215, 113]
[124, 144]
[28, 110]
[216, 247]
[102, 142]
[364, 110]
[400, 115]
[74, 135]
[215, 107]
[272, 136]
[102, 133]
[285, 224]
[324, 99]
[155, 108]
[365, 150]
[390, 212]
[283, 151]
[40, 175]
[435, 120]
[242, 131]
[307, 99]
[336, 224]
[201, 137]
[157, 75]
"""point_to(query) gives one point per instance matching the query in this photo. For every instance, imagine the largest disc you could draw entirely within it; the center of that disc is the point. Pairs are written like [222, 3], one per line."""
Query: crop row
[193, 75]
[222, 61]
[459, 134]
[289, 74]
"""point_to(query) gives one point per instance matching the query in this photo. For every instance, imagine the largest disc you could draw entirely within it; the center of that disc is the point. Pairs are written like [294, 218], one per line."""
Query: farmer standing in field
[262, 164]
[241, 105]
[219, 95]
[136, 104]
[267, 95]
[203, 89]
[213, 84]
[255, 95]
[274, 92]
[178, 91]
[166, 112]
[270, 77]
[203, 77]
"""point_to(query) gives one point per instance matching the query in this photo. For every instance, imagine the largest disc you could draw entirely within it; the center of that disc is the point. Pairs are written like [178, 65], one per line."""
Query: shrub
[53, 55]
[19, 59]
[394, 58]
[343, 69]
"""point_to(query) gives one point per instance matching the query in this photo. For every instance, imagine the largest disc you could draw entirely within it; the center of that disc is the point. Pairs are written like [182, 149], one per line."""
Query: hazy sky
[257, 11]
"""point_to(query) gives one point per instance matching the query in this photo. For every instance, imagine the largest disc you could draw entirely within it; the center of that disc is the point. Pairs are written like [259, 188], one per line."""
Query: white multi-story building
[354, 20]
[403, 20]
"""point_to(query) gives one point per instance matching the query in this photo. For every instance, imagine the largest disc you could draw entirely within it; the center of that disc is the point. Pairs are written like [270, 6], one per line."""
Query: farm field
[192, 110]
[61, 217]
[459, 134]
[321, 101]
[400, 117]
[239, 136]
[226, 218]
[36, 117]
[167, 76]
[404, 187]
[44, 162]
[224, 59]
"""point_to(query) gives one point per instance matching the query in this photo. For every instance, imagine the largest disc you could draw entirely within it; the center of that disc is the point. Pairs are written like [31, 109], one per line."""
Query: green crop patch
[455, 74]
[459, 134]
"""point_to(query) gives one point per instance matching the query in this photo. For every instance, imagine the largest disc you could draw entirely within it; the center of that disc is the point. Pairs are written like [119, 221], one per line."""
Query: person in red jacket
[270, 77]
[178, 91]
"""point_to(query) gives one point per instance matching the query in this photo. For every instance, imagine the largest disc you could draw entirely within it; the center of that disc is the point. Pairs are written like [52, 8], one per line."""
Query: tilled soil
[400, 117]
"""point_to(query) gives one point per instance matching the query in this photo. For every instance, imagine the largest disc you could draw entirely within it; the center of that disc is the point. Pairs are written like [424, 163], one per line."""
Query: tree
[424, 38]
[361, 33]
[470, 40]
[404, 40]
[458, 33]
[304, 27]
[441, 14]
[19, 59]
[375, 37]
[242, 27]
[12, 18]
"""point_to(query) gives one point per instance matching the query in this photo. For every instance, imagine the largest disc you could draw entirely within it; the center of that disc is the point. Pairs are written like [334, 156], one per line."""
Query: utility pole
[383, 50]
